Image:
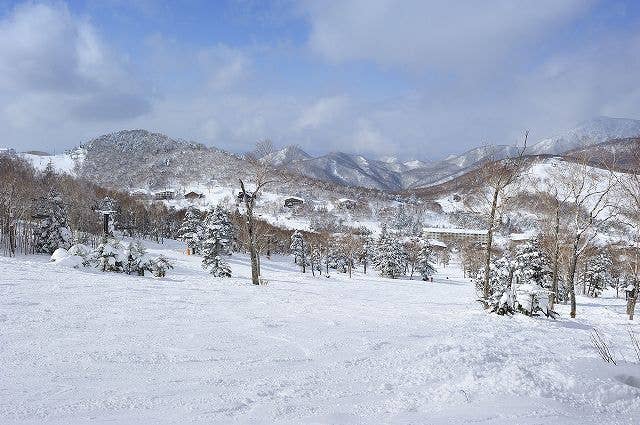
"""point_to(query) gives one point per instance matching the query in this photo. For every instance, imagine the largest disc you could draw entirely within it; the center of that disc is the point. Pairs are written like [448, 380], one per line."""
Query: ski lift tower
[106, 207]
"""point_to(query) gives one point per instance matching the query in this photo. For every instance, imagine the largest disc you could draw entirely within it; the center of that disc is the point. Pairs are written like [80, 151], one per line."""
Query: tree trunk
[303, 258]
[571, 276]
[253, 252]
[631, 303]
[486, 290]
[313, 272]
[556, 260]
[584, 278]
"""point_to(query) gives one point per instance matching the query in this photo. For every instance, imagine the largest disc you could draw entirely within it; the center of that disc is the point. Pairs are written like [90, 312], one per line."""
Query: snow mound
[59, 254]
[73, 261]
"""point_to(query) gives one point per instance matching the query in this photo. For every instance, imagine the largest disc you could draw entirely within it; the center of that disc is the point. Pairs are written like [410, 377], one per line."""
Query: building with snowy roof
[455, 236]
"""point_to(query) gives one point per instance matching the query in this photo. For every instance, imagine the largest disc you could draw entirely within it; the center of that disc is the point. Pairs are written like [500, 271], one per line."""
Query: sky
[406, 78]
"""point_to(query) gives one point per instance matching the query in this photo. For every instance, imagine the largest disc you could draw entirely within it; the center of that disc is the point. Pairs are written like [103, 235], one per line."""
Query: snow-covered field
[80, 346]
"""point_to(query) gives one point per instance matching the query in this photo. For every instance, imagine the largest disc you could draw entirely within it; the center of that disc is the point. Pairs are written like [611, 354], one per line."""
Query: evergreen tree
[299, 250]
[134, 255]
[218, 234]
[339, 257]
[192, 229]
[160, 265]
[532, 273]
[402, 222]
[598, 275]
[389, 257]
[366, 253]
[501, 297]
[425, 260]
[52, 231]
[109, 255]
[532, 265]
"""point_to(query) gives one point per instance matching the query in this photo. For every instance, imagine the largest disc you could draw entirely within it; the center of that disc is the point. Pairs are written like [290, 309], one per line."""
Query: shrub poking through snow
[159, 266]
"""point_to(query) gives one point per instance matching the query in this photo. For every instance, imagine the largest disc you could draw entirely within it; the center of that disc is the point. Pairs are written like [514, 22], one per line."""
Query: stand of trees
[41, 211]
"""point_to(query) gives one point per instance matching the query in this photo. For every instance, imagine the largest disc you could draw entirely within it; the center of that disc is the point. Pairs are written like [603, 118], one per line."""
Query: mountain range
[142, 159]
[392, 174]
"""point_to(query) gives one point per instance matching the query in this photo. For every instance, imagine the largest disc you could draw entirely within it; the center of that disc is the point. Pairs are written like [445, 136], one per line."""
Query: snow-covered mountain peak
[135, 141]
[285, 156]
[597, 130]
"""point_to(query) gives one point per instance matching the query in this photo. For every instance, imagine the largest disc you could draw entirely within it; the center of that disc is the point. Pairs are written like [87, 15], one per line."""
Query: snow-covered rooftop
[435, 242]
[454, 230]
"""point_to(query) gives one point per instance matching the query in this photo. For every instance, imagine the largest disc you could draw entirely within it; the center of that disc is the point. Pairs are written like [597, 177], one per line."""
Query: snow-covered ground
[80, 346]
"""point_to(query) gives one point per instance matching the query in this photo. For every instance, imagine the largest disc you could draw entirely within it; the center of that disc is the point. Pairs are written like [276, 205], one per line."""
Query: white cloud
[223, 66]
[61, 83]
[54, 64]
[321, 112]
[465, 35]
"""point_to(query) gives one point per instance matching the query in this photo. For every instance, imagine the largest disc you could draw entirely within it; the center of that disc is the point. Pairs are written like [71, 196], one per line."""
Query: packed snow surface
[80, 346]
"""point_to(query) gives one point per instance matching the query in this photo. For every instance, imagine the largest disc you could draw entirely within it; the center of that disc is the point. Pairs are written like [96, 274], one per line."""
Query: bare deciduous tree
[629, 184]
[263, 176]
[585, 191]
[496, 176]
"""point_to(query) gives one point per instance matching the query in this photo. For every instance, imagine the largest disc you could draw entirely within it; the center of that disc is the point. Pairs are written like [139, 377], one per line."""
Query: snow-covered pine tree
[366, 253]
[597, 275]
[501, 297]
[299, 250]
[402, 222]
[338, 256]
[192, 229]
[218, 233]
[52, 231]
[425, 262]
[532, 274]
[160, 265]
[315, 258]
[388, 258]
[109, 255]
[134, 253]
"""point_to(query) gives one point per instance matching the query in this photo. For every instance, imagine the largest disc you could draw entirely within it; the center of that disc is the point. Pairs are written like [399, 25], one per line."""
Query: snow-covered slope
[67, 162]
[80, 346]
[482, 153]
[349, 170]
[594, 131]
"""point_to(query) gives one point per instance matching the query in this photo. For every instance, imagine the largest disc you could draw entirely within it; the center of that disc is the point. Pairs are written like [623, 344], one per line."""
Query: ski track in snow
[80, 346]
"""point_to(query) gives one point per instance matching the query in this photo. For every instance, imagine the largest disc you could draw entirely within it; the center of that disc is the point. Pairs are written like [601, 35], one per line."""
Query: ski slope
[80, 346]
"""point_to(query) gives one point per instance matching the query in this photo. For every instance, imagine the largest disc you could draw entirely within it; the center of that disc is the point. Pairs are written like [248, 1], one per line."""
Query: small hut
[192, 196]
[293, 201]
